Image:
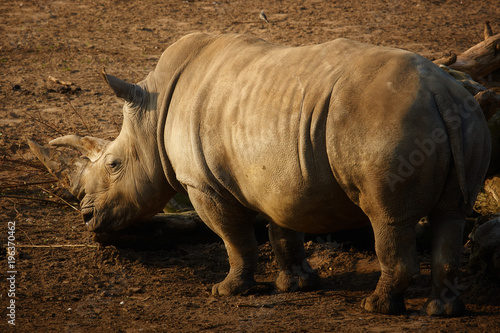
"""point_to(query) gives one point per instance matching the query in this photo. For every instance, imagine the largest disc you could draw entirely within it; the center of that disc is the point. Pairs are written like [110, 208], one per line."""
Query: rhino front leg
[295, 272]
[234, 224]
[395, 245]
[447, 233]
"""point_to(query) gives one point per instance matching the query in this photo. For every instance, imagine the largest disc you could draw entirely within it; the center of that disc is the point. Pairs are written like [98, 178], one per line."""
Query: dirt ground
[66, 282]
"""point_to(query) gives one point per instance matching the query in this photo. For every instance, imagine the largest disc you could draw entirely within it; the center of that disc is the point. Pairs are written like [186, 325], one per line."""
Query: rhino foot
[384, 304]
[437, 307]
[287, 282]
[232, 285]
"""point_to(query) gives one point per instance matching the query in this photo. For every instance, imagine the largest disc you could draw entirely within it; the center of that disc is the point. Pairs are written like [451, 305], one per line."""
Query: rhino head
[117, 182]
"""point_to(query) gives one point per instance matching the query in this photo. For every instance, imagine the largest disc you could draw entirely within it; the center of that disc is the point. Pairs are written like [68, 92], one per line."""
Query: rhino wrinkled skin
[315, 138]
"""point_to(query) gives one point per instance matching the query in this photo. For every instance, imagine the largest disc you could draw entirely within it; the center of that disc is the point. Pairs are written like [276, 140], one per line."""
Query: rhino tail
[453, 124]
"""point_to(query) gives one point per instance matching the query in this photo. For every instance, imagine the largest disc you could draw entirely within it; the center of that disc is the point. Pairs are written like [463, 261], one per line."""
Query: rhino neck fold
[143, 157]
[163, 103]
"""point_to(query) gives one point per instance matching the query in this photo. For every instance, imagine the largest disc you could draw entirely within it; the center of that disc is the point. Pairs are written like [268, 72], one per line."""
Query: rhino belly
[312, 209]
[324, 220]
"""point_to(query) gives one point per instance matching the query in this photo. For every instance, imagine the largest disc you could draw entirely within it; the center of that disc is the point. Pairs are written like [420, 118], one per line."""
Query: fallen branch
[482, 59]
[446, 60]
[159, 232]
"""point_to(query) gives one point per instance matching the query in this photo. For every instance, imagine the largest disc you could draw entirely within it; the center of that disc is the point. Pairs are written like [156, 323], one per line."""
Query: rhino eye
[114, 164]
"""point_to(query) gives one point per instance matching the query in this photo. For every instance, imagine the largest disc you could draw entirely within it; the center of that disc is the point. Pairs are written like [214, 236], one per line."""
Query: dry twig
[79, 115]
[30, 164]
[56, 246]
[272, 304]
[55, 195]
[27, 184]
[29, 198]
[14, 204]
[25, 234]
[44, 123]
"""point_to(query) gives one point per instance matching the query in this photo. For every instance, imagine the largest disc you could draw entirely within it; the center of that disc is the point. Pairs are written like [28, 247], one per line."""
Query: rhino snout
[88, 216]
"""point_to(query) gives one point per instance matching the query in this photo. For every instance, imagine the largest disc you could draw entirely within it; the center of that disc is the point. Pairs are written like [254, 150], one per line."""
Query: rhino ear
[90, 147]
[131, 93]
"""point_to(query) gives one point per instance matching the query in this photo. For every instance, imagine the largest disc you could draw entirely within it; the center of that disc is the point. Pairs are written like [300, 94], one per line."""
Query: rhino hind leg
[447, 234]
[234, 224]
[395, 245]
[295, 272]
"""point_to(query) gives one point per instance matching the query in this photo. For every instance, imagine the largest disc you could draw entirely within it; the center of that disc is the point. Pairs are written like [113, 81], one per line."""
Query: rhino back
[296, 133]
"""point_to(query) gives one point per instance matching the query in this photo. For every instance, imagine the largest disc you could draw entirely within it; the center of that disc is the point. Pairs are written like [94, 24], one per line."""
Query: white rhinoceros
[315, 138]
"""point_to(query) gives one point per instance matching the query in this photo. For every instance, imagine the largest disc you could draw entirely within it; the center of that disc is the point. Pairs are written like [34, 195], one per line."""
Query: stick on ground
[64, 83]
[79, 115]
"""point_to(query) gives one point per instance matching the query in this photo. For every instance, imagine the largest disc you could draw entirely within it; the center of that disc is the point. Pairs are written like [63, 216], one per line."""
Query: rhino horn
[67, 167]
[44, 155]
[131, 93]
[88, 146]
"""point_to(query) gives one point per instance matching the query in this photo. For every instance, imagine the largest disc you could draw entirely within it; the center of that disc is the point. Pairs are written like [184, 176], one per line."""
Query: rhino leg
[295, 272]
[234, 224]
[446, 251]
[395, 245]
